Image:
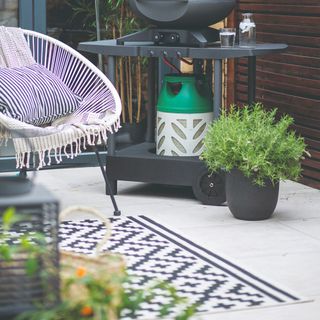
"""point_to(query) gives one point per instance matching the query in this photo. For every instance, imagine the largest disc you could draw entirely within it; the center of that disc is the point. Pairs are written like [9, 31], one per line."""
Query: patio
[283, 250]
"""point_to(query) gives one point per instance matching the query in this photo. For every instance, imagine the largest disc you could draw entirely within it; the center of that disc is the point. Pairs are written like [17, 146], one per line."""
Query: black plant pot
[14, 185]
[135, 130]
[248, 201]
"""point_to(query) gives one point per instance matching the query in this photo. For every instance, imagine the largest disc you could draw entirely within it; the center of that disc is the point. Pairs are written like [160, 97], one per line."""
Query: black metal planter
[14, 185]
[19, 292]
[248, 201]
[135, 131]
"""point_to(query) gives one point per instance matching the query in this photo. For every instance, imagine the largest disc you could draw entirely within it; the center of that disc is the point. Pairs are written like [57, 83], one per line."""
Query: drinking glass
[227, 37]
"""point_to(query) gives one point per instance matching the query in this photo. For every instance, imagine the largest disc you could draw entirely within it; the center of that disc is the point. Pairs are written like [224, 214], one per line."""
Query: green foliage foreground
[251, 140]
[98, 298]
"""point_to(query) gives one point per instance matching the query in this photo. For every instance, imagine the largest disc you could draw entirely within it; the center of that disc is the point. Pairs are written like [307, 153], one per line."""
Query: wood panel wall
[289, 81]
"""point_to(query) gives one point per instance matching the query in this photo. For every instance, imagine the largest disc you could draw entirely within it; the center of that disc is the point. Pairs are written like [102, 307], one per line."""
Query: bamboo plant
[128, 70]
[112, 19]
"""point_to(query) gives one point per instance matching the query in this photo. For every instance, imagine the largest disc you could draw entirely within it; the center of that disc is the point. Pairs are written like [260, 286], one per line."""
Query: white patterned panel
[181, 134]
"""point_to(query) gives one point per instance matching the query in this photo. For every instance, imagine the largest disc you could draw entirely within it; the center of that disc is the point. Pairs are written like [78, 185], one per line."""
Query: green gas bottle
[184, 111]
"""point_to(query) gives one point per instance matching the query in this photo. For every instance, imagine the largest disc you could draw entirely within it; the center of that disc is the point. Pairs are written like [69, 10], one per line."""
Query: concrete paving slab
[284, 249]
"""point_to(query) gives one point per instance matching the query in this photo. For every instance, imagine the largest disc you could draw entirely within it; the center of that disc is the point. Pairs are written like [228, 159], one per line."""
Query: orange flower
[81, 272]
[86, 311]
[108, 291]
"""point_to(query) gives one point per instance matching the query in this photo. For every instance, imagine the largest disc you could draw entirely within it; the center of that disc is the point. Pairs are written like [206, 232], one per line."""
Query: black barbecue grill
[179, 22]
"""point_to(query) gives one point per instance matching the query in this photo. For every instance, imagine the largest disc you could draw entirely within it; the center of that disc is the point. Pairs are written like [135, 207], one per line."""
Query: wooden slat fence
[289, 81]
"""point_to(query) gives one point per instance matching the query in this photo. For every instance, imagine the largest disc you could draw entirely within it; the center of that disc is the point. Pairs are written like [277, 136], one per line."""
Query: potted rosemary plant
[256, 151]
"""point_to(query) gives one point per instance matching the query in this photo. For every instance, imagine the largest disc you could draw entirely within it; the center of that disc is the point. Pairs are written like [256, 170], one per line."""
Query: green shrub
[251, 140]
[99, 298]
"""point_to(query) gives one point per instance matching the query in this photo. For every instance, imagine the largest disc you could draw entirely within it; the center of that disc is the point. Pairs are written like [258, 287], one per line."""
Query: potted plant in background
[117, 20]
[130, 71]
[256, 151]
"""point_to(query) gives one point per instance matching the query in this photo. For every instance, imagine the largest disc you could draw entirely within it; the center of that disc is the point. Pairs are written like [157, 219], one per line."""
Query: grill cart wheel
[209, 188]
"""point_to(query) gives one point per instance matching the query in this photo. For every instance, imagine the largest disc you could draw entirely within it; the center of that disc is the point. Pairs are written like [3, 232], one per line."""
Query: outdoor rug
[153, 251]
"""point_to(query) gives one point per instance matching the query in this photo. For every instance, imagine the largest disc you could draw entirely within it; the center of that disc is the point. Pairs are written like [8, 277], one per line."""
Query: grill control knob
[156, 36]
[174, 38]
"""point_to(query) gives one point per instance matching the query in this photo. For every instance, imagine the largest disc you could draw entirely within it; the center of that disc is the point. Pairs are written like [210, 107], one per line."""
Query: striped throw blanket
[14, 50]
[67, 135]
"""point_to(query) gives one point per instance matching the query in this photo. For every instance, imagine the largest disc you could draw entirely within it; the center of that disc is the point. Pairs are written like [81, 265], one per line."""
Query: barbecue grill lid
[185, 14]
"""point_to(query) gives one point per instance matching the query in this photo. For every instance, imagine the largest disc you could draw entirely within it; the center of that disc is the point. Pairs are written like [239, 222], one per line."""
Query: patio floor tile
[284, 249]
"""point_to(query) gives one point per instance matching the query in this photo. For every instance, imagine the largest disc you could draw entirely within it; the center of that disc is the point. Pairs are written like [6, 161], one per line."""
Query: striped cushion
[34, 95]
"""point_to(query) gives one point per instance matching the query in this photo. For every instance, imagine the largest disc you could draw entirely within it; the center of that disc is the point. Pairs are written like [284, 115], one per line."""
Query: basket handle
[64, 213]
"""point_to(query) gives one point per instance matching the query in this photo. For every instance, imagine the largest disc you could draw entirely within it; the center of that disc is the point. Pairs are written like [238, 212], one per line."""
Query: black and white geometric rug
[153, 251]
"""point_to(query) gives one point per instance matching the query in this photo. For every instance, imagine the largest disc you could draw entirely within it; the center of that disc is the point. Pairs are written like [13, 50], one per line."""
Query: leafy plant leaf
[256, 142]
[31, 265]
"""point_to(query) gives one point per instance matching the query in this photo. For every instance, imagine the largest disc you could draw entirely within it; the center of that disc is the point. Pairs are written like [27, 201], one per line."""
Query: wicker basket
[103, 266]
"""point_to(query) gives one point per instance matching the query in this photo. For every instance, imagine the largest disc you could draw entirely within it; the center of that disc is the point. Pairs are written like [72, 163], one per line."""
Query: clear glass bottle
[247, 31]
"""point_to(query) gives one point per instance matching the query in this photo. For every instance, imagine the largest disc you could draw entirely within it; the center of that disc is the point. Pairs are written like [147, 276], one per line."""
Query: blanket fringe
[43, 150]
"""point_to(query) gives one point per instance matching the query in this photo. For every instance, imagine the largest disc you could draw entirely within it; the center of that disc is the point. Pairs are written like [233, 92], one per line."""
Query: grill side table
[139, 162]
